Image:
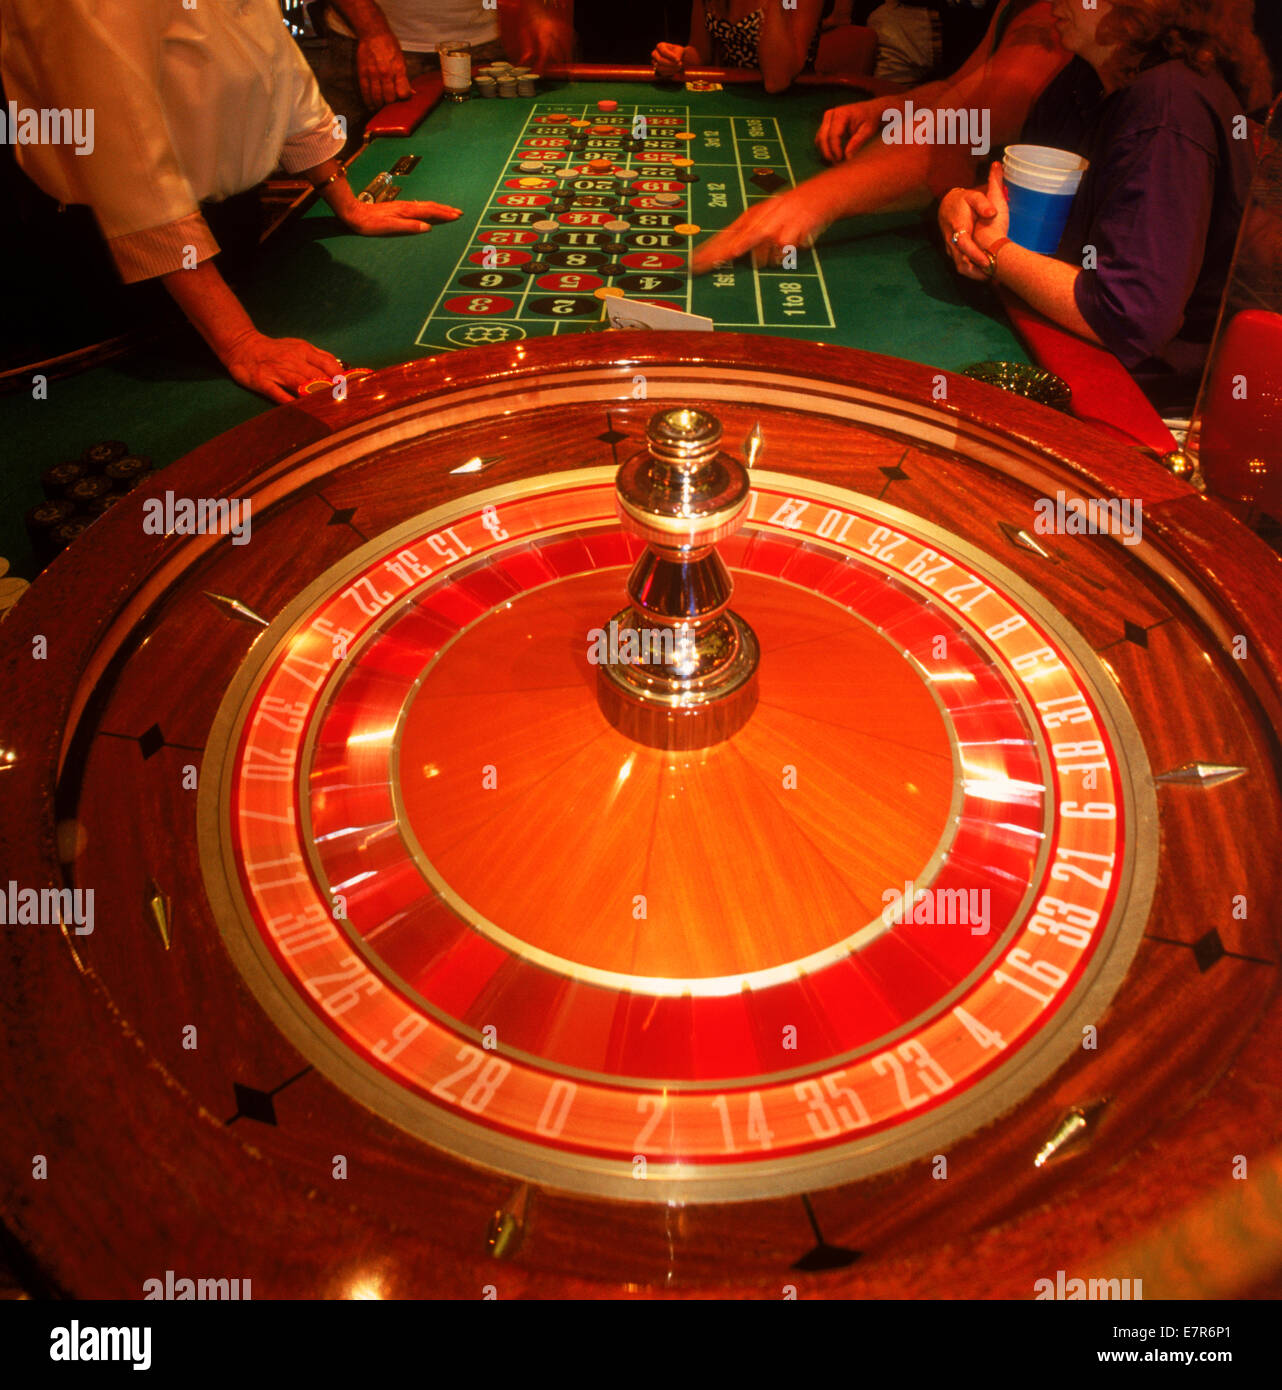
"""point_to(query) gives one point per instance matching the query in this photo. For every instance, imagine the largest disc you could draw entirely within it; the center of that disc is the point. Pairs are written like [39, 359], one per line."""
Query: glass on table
[456, 68]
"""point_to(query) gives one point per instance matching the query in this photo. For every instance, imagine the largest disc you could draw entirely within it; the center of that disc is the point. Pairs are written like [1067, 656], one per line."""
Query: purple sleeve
[1149, 233]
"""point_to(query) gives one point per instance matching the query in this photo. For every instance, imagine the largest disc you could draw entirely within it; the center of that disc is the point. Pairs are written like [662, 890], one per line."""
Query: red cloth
[1104, 393]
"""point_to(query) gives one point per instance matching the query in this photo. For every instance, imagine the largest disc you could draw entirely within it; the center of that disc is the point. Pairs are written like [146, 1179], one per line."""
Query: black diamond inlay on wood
[894, 473]
[342, 517]
[1207, 950]
[253, 1104]
[611, 436]
[825, 1256]
[151, 742]
[1135, 634]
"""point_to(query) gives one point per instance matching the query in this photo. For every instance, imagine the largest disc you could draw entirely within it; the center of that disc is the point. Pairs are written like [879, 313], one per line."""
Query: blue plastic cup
[1042, 184]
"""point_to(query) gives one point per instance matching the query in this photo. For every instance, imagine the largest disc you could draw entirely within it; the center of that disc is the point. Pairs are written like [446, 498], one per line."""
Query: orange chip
[608, 292]
[687, 229]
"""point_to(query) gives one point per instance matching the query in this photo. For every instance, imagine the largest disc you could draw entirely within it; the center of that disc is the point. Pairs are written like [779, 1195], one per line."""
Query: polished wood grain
[159, 1165]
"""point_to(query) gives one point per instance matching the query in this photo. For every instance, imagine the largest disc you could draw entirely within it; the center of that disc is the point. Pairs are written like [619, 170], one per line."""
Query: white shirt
[189, 105]
[419, 25]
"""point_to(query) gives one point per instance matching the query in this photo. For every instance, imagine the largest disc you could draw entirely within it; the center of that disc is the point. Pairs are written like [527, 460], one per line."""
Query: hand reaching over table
[277, 368]
[793, 219]
[845, 130]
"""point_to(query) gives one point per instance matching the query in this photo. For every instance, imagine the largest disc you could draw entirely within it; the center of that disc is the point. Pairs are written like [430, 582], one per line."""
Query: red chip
[607, 106]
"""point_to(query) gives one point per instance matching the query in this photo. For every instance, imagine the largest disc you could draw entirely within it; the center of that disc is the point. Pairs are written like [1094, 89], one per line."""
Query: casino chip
[599, 166]
[56, 480]
[99, 505]
[685, 135]
[87, 489]
[607, 105]
[530, 166]
[545, 224]
[41, 522]
[616, 225]
[687, 229]
[11, 590]
[667, 200]
[609, 292]
[127, 472]
[98, 456]
[680, 161]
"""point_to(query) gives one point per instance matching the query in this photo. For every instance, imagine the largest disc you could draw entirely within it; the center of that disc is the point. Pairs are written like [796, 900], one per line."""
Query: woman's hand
[380, 70]
[972, 219]
[671, 60]
[277, 368]
[794, 219]
[396, 219]
[847, 129]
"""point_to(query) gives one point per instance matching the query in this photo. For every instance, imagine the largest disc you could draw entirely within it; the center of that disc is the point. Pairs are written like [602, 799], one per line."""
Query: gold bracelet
[325, 183]
[991, 253]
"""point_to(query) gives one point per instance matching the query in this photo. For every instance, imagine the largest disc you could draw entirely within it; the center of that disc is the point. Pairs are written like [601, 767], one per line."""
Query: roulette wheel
[903, 924]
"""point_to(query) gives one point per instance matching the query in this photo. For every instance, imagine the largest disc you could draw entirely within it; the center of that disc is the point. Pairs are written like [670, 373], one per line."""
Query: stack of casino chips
[78, 492]
[504, 80]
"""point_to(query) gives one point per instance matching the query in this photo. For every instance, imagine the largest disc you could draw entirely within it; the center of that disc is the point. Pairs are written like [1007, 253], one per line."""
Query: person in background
[1268, 29]
[921, 40]
[376, 48]
[778, 42]
[614, 34]
[1019, 56]
[1154, 99]
[193, 107]
[846, 129]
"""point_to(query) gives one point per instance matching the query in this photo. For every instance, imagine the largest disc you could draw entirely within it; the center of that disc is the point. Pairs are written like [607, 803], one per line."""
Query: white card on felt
[632, 313]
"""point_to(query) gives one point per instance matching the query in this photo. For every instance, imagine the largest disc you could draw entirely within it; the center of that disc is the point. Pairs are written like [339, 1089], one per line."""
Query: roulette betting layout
[885, 937]
[587, 206]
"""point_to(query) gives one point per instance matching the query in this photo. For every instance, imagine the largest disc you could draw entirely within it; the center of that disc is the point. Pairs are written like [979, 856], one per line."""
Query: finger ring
[956, 236]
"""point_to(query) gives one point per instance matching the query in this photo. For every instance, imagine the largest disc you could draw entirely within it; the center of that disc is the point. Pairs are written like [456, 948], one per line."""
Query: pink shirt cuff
[162, 250]
[311, 148]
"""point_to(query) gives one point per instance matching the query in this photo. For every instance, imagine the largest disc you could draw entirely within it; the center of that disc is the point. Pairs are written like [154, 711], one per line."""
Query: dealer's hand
[793, 219]
[395, 218]
[847, 129]
[277, 368]
[380, 70]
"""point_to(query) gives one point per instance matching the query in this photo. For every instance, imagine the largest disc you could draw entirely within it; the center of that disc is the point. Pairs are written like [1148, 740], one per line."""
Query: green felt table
[877, 283]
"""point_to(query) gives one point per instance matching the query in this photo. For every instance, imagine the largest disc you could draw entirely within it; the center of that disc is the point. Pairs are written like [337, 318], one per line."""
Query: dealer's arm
[170, 134]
